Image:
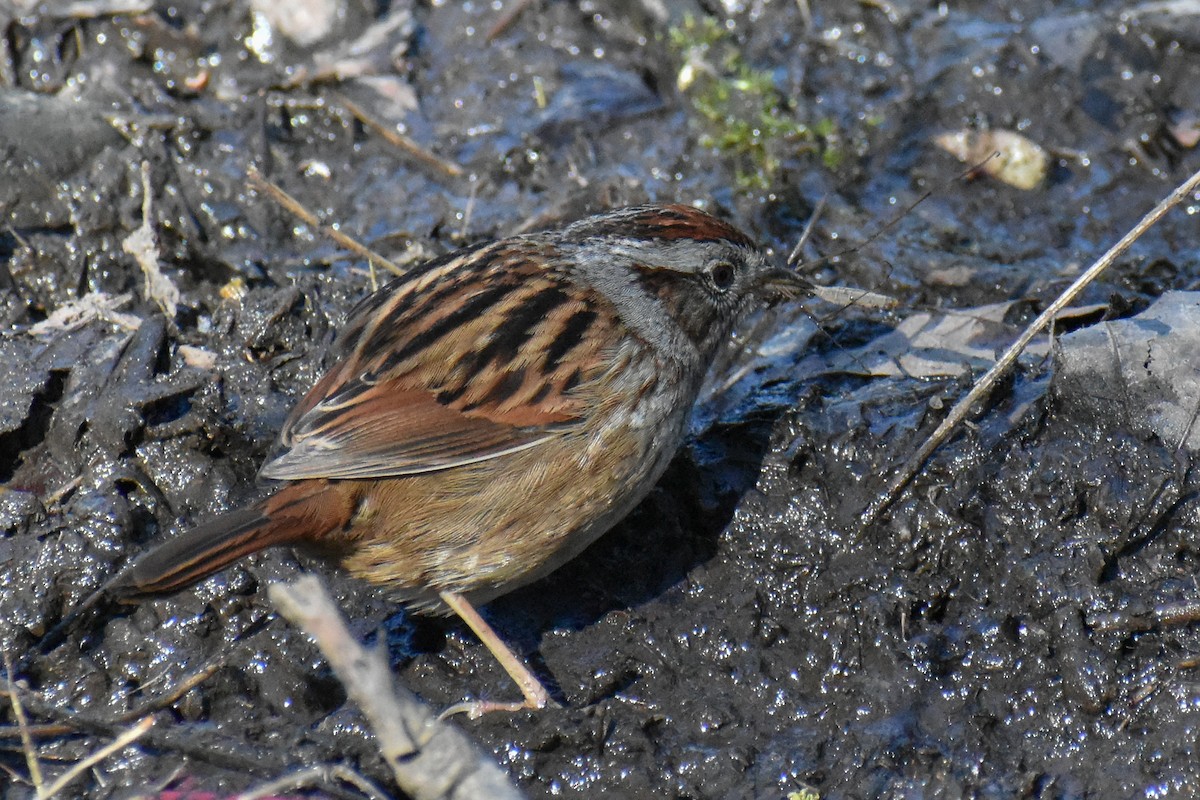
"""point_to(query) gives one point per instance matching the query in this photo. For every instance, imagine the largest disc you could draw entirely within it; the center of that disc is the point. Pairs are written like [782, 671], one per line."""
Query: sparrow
[490, 413]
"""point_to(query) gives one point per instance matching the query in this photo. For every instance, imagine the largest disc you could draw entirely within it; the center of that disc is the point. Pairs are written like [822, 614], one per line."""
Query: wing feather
[465, 359]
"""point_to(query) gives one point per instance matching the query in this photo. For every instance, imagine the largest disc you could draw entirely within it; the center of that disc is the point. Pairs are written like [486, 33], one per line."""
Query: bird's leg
[536, 696]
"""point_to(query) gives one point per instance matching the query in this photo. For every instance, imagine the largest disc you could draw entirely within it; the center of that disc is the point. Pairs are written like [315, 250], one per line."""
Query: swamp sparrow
[491, 412]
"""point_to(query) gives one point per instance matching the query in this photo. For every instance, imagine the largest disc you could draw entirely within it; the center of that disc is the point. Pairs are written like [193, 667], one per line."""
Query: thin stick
[808, 229]
[895, 220]
[805, 14]
[322, 774]
[147, 708]
[120, 743]
[240, 756]
[35, 770]
[40, 731]
[58, 494]
[469, 210]
[291, 204]
[88, 10]
[175, 694]
[506, 20]
[430, 760]
[397, 139]
[1005, 362]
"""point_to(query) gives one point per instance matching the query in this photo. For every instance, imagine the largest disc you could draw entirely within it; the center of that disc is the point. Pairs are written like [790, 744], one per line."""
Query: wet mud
[1021, 623]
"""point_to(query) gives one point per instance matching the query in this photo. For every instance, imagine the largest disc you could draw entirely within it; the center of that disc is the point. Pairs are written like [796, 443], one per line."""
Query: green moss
[739, 108]
[804, 794]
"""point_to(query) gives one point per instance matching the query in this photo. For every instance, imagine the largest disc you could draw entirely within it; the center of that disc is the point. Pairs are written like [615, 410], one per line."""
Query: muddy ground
[1019, 624]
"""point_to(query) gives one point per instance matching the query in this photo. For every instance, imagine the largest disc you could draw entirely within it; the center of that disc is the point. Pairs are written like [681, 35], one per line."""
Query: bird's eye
[722, 275]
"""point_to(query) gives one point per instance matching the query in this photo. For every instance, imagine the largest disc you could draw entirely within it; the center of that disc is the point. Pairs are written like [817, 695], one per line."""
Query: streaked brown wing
[460, 361]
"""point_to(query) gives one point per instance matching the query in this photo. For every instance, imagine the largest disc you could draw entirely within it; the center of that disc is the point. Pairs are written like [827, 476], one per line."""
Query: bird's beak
[782, 284]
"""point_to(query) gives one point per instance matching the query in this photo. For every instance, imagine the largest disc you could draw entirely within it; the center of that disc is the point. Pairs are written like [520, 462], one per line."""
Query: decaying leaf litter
[996, 633]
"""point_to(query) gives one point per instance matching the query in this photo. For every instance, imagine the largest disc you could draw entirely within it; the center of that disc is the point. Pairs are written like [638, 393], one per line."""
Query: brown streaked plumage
[490, 413]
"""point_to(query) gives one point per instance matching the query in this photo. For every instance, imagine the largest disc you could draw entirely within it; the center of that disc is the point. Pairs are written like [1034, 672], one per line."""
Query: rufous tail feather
[305, 511]
[299, 512]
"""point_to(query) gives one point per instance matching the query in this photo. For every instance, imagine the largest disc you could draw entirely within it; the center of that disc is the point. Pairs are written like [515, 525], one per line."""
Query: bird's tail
[300, 512]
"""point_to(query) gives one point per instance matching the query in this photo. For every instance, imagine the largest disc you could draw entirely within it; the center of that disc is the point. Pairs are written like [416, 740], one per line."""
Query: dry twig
[127, 738]
[314, 776]
[31, 758]
[238, 756]
[292, 205]
[145, 709]
[430, 759]
[506, 20]
[404, 143]
[43, 791]
[794, 257]
[984, 385]
[142, 244]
